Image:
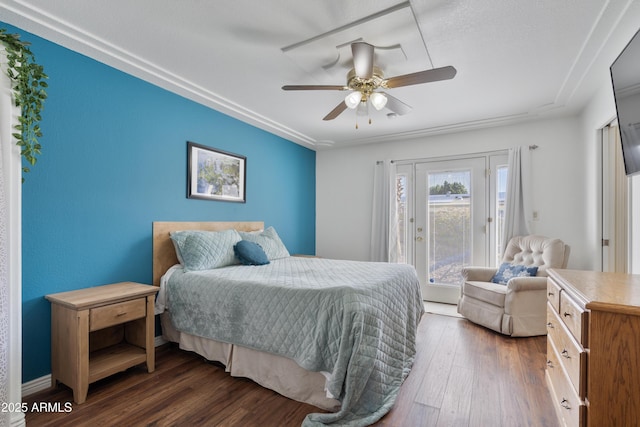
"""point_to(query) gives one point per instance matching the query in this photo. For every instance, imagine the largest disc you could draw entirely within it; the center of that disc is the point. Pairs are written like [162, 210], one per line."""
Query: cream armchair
[519, 307]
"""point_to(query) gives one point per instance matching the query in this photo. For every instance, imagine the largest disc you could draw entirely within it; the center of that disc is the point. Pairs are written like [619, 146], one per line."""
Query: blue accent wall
[114, 160]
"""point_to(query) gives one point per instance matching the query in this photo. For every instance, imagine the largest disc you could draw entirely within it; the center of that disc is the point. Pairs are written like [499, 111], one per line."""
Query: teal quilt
[355, 320]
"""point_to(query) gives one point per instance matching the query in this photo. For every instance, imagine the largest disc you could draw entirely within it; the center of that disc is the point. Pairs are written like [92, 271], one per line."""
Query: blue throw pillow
[507, 271]
[250, 253]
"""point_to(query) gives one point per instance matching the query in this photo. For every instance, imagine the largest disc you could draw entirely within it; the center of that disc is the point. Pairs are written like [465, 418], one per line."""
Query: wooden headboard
[164, 254]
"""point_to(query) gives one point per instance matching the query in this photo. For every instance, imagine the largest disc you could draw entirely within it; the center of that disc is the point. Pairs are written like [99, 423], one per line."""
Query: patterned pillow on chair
[508, 271]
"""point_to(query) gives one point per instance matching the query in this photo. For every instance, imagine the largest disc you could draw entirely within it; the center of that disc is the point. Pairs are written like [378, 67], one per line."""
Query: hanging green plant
[29, 90]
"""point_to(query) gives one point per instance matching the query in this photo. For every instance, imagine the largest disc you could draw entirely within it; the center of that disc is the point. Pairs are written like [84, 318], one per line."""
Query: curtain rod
[531, 147]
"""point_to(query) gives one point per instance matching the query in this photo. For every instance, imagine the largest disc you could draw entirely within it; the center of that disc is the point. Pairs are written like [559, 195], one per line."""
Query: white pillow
[205, 250]
[269, 241]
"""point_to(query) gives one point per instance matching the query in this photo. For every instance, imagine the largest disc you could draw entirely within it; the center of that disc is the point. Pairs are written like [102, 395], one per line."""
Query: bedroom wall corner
[114, 160]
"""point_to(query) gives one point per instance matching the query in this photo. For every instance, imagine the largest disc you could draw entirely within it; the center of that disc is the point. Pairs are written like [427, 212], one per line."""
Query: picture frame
[214, 174]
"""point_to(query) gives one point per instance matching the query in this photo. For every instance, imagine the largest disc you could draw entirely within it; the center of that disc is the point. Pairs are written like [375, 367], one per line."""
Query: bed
[339, 335]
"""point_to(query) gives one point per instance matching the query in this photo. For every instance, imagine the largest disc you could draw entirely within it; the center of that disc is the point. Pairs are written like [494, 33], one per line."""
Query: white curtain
[10, 254]
[518, 203]
[384, 224]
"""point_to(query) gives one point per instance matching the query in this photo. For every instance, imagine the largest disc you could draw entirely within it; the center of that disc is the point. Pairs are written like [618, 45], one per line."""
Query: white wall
[560, 195]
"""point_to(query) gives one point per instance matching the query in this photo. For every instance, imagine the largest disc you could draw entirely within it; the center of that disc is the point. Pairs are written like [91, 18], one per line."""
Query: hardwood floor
[464, 375]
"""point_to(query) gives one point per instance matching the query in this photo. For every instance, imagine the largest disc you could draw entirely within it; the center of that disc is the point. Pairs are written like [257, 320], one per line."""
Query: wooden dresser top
[596, 290]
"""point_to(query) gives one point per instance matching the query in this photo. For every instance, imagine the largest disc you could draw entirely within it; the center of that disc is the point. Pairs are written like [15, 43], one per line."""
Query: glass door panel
[404, 214]
[450, 224]
[497, 197]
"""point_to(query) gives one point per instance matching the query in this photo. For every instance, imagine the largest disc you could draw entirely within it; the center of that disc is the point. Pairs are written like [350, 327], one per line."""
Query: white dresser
[593, 347]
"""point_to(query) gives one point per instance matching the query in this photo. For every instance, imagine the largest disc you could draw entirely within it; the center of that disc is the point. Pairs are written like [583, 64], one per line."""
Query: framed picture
[215, 175]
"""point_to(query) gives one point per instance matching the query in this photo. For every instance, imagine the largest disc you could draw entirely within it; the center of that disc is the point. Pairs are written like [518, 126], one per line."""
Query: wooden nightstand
[96, 332]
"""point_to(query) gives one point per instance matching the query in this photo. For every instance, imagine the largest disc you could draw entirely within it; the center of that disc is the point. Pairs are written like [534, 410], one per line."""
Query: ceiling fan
[365, 81]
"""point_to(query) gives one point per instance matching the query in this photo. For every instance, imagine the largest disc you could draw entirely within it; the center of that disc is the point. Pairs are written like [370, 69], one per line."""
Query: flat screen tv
[625, 77]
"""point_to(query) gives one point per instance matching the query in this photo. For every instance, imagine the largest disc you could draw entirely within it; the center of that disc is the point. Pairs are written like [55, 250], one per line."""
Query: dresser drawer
[572, 356]
[553, 294]
[568, 404]
[574, 317]
[114, 314]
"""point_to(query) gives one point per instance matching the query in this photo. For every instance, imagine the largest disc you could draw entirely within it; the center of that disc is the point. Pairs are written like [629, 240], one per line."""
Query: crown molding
[37, 21]
[54, 29]
[447, 129]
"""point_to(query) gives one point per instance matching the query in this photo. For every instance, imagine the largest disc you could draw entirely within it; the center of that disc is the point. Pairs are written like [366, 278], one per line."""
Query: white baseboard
[36, 385]
[43, 383]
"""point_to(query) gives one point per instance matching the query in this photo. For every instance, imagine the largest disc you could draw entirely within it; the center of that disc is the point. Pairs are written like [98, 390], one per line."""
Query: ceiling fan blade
[426, 76]
[314, 87]
[397, 106]
[336, 111]
[362, 59]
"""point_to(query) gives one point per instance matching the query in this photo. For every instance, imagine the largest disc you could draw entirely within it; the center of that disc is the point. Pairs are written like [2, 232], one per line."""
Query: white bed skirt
[277, 373]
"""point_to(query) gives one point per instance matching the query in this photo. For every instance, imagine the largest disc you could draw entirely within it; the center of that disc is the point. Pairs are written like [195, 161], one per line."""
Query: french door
[450, 218]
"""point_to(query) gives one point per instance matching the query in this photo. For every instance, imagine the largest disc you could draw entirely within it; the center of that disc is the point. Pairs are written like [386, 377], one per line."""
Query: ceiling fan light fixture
[362, 109]
[365, 78]
[378, 100]
[353, 99]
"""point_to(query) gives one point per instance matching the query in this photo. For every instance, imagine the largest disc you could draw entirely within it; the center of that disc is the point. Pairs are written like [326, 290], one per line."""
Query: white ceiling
[516, 59]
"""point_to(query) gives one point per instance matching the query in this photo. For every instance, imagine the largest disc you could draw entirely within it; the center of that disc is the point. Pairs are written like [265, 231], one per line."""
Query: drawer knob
[121, 314]
[566, 314]
[551, 294]
[565, 404]
[565, 354]
[550, 364]
[550, 325]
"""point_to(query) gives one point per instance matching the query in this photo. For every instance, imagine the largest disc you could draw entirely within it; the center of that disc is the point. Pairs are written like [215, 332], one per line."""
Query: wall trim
[43, 24]
[34, 386]
[12, 180]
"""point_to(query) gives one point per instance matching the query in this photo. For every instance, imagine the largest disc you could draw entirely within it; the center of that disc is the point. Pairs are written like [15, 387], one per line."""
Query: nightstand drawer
[115, 314]
[571, 355]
